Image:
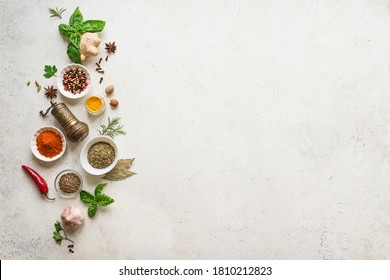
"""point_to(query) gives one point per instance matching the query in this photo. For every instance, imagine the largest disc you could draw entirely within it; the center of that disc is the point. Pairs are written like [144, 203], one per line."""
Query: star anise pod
[51, 92]
[110, 47]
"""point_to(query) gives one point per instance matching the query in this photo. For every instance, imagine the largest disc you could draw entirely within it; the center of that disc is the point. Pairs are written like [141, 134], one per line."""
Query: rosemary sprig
[113, 128]
[55, 12]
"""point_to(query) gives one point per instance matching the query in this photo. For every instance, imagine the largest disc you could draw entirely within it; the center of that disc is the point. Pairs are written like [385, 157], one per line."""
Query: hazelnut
[109, 89]
[114, 102]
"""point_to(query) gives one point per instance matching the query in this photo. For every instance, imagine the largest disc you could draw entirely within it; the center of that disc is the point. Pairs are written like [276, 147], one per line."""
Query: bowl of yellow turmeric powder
[48, 143]
[95, 105]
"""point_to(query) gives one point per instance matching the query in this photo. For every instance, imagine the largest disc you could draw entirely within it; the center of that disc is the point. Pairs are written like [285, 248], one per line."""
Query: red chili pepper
[41, 183]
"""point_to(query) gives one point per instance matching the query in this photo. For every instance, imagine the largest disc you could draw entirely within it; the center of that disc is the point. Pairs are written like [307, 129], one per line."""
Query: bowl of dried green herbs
[99, 155]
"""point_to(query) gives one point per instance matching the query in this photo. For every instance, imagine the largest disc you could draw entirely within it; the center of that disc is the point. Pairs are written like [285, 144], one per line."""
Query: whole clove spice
[101, 80]
[106, 58]
[100, 60]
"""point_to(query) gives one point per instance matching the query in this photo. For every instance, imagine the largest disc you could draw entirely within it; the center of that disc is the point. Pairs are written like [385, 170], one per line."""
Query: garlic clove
[72, 217]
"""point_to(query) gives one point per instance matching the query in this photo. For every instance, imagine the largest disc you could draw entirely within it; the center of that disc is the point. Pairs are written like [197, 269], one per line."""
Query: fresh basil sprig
[96, 200]
[75, 29]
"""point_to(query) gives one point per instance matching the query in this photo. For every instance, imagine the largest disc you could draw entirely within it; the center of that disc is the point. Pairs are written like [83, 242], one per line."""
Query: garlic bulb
[72, 217]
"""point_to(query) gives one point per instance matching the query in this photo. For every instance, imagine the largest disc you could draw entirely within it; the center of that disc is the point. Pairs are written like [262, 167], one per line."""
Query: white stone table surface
[260, 130]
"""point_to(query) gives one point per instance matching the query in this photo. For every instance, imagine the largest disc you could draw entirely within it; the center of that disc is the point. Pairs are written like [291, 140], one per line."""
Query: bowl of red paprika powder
[48, 143]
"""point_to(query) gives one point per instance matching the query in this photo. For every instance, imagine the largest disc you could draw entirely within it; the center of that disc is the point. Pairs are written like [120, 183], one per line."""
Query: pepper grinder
[76, 130]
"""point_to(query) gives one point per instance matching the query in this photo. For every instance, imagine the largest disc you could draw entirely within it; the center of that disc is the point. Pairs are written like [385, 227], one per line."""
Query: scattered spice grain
[69, 183]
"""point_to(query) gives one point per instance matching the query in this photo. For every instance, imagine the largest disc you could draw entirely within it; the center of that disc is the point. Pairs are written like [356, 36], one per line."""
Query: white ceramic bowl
[84, 153]
[34, 147]
[69, 94]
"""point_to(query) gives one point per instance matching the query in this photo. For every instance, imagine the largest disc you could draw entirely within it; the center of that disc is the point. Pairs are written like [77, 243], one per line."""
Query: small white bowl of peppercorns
[74, 81]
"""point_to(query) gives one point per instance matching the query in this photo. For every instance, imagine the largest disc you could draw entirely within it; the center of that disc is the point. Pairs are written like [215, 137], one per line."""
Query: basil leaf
[75, 39]
[74, 53]
[93, 25]
[57, 236]
[86, 197]
[76, 19]
[66, 30]
[104, 200]
[99, 189]
[92, 209]
[79, 29]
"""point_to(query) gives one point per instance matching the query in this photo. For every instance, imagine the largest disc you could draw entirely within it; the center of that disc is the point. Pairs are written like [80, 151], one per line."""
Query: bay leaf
[121, 171]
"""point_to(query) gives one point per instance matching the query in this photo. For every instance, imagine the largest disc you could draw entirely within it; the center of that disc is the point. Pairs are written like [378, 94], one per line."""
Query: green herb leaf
[98, 190]
[76, 19]
[86, 197]
[113, 128]
[57, 225]
[55, 12]
[74, 53]
[95, 201]
[75, 39]
[50, 71]
[93, 25]
[92, 209]
[104, 200]
[57, 236]
[65, 30]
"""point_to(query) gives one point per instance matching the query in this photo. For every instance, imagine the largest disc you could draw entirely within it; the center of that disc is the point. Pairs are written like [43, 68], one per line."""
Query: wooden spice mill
[76, 130]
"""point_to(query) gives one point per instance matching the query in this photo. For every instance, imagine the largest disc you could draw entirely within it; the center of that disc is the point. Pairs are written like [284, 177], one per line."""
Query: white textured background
[260, 129]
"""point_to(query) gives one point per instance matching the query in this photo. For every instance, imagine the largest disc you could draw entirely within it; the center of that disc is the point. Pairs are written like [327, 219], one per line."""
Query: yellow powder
[94, 103]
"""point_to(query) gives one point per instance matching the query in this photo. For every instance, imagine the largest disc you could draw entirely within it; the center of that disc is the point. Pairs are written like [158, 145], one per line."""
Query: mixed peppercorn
[75, 80]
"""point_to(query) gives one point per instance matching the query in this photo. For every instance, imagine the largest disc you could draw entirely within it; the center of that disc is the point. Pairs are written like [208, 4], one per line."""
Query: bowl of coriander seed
[68, 183]
[99, 155]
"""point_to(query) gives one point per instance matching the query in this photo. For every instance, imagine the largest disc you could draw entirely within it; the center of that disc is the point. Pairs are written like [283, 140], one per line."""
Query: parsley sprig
[50, 71]
[57, 234]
